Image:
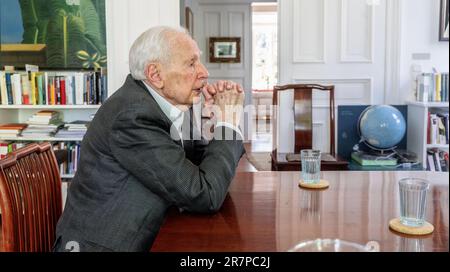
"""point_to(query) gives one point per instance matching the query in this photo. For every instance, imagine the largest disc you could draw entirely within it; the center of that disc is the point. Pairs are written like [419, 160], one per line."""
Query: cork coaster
[395, 224]
[322, 184]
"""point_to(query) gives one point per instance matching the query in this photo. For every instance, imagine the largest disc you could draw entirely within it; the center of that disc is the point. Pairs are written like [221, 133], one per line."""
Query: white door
[330, 42]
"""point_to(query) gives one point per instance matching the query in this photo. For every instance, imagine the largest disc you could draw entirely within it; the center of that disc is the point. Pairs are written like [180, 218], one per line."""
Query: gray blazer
[131, 171]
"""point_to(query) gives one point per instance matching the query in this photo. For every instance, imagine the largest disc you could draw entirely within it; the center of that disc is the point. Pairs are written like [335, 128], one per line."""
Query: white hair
[153, 45]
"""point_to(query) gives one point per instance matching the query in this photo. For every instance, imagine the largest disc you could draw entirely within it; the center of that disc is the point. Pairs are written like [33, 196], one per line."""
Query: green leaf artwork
[72, 30]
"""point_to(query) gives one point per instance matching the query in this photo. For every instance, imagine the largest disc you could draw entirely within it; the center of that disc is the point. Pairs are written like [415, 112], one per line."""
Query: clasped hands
[224, 100]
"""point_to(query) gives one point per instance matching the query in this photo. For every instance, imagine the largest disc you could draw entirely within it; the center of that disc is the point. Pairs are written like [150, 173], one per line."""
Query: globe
[381, 127]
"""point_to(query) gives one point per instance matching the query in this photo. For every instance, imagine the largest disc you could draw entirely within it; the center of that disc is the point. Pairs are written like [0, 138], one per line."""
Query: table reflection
[268, 211]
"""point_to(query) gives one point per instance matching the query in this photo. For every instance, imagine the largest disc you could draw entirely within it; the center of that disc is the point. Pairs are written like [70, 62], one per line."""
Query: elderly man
[133, 167]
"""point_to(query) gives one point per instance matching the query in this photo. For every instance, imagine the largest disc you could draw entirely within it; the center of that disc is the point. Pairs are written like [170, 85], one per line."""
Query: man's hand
[210, 90]
[228, 102]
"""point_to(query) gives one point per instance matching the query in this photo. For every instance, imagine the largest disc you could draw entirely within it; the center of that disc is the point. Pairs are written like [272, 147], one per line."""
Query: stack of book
[437, 160]
[438, 128]
[52, 88]
[75, 129]
[11, 130]
[432, 87]
[371, 159]
[43, 124]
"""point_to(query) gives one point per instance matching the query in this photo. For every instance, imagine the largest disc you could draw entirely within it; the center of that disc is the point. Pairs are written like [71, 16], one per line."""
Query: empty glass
[334, 245]
[310, 165]
[413, 200]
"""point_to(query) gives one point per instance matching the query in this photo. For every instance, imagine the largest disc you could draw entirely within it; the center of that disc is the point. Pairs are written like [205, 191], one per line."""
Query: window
[265, 45]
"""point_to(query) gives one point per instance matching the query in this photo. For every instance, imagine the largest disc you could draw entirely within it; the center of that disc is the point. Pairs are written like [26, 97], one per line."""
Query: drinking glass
[413, 200]
[310, 165]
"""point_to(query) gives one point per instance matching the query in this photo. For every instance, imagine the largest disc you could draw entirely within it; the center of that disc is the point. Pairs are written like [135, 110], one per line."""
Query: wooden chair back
[303, 113]
[30, 198]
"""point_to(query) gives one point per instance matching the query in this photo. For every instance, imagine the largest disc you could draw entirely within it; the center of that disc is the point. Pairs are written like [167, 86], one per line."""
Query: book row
[52, 88]
[438, 128]
[432, 87]
[437, 160]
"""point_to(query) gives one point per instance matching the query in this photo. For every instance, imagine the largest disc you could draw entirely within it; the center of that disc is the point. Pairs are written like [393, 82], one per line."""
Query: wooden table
[267, 211]
[280, 163]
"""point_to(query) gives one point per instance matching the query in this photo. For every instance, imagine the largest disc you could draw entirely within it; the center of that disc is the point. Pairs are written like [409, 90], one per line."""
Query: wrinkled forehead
[183, 47]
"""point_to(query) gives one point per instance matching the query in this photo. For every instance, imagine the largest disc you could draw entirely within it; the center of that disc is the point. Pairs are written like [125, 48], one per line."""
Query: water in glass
[310, 166]
[413, 199]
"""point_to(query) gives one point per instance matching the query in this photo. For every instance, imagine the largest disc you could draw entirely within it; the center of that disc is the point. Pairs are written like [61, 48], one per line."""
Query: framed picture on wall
[189, 16]
[225, 49]
[443, 25]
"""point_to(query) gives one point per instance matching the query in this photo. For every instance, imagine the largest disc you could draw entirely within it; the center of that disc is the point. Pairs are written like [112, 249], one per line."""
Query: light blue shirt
[175, 115]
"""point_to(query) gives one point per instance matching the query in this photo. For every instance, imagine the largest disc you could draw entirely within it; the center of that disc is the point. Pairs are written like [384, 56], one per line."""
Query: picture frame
[189, 21]
[444, 21]
[225, 49]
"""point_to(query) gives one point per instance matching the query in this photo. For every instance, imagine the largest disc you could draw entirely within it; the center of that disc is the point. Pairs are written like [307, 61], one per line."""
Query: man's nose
[203, 72]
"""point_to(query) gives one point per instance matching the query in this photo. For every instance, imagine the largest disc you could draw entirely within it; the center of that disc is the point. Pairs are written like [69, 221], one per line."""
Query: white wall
[126, 20]
[402, 28]
[330, 42]
[420, 34]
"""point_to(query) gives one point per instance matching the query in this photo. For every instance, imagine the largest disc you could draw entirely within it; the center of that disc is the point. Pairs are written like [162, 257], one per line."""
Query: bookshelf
[69, 113]
[75, 109]
[40, 139]
[50, 107]
[417, 132]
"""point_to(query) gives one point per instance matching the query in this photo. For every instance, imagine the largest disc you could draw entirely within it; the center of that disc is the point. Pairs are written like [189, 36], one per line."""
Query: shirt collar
[174, 114]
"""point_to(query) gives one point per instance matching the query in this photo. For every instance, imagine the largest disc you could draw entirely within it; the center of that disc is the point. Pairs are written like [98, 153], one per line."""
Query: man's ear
[153, 74]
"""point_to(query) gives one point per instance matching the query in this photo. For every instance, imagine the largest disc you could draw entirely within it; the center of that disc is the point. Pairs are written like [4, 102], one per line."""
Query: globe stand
[381, 128]
[386, 152]
[375, 151]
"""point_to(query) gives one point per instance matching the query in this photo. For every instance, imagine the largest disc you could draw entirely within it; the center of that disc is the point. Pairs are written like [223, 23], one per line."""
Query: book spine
[430, 162]
[437, 83]
[16, 84]
[91, 90]
[69, 96]
[3, 90]
[52, 90]
[73, 90]
[58, 90]
[40, 90]
[429, 129]
[33, 88]
[437, 161]
[63, 91]
[9, 89]
[79, 87]
[86, 90]
[447, 128]
[434, 132]
[96, 87]
[104, 88]
[46, 89]
[25, 90]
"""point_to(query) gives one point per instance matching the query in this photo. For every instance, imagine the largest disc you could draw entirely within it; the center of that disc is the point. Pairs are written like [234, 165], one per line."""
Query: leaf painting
[67, 27]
